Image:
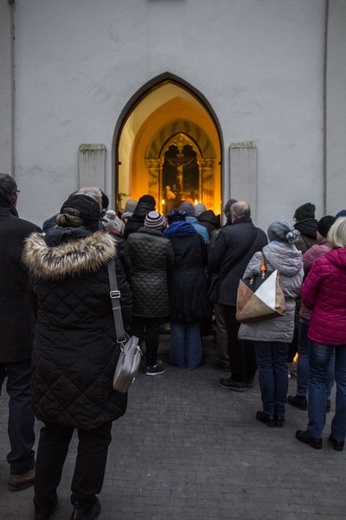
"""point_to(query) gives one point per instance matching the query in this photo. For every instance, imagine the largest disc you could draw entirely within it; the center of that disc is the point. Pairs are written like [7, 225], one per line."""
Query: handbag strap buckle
[114, 294]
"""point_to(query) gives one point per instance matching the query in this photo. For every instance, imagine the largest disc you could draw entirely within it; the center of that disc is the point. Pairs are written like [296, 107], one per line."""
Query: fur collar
[72, 258]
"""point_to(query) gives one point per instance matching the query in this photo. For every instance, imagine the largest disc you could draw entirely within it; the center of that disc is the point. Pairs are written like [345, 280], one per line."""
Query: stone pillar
[153, 167]
[243, 174]
[207, 172]
[92, 165]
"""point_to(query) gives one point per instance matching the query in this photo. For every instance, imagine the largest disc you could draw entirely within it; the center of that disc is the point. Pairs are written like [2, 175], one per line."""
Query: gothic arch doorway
[168, 144]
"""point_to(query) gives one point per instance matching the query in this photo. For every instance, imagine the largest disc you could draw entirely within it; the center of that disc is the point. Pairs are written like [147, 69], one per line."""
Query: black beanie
[305, 211]
[149, 199]
[324, 225]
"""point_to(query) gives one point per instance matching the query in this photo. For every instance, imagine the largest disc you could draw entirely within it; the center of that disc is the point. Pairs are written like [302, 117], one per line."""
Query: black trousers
[242, 356]
[89, 468]
[150, 329]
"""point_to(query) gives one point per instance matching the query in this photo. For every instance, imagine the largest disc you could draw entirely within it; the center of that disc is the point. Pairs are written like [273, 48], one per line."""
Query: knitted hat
[154, 220]
[341, 213]
[199, 208]
[282, 231]
[82, 206]
[324, 225]
[305, 211]
[188, 208]
[175, 216]
[113, 222]
[130, 206]
[149, 199]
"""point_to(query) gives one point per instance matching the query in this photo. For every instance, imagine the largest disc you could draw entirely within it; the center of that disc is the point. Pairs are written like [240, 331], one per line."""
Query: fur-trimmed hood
[70, 253]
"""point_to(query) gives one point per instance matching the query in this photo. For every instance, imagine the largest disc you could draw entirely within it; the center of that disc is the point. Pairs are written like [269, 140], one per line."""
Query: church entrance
[169, 146]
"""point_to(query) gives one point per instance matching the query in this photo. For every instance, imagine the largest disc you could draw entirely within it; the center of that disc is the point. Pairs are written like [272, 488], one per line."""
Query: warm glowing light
[196, 201]
[163, 202]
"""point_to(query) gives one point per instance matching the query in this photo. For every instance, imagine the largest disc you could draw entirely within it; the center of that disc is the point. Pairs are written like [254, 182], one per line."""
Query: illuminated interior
[169, 147]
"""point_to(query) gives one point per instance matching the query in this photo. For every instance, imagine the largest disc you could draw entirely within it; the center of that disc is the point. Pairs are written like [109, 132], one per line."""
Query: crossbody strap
[115, 299]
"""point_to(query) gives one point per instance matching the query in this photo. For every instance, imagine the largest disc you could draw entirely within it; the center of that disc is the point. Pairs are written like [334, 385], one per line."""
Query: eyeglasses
[16, 191]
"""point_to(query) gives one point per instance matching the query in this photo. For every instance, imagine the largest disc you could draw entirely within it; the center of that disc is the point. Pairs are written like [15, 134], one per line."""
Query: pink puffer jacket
[324, 291]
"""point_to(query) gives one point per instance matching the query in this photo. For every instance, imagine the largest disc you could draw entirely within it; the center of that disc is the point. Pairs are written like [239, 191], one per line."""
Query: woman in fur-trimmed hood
[75, 352]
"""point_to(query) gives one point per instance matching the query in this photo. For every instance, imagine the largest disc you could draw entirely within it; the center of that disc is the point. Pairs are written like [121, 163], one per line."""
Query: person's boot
[299, 401]
[80, 513]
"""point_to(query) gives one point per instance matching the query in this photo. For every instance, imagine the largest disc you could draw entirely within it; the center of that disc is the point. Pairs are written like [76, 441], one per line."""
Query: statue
[179, 174]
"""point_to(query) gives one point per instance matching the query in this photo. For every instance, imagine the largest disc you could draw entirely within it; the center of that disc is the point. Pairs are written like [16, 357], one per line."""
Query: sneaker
[230, 384]
[155, 370]
[80, 513]
[299, 401]
[22, 481]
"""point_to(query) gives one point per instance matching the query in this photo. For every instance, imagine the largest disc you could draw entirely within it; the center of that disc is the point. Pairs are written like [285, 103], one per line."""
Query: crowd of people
[182, 268]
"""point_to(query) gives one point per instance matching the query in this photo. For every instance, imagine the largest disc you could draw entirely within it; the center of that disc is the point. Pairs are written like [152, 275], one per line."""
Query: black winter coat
[232, 251]
[75, 348]
[17, 321]
[209, 220]
[123, 269]
[136, 220]
[151, 257]
[188, 280]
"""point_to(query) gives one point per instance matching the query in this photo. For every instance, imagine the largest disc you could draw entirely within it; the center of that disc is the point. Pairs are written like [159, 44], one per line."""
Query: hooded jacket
[307, 229]
[75, 348]
[324, 291]
[287, 260]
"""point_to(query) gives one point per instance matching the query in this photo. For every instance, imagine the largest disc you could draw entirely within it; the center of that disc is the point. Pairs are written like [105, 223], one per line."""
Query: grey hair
[241, 209]
[8, 187]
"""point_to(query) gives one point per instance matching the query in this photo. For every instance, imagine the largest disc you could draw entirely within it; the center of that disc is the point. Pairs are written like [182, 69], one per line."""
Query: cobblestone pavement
[188, 449]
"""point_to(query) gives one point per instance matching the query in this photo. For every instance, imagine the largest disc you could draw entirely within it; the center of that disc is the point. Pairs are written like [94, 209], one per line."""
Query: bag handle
[115, 299]
[263, 267]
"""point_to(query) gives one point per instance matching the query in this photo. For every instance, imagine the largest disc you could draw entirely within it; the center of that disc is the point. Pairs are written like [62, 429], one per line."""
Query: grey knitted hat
[154, 220]
[283, 231]
[188, 208]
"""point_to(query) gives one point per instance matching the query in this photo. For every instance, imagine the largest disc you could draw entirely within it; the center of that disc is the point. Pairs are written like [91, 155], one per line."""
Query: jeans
[21, 418]
[151, 326]
[242, 357]
[89, 468]
[186, 345]
[303, 363]
[319, 359]
[272, 375]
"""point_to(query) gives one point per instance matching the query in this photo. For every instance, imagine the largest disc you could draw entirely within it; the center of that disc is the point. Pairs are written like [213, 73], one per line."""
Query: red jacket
[324, 291]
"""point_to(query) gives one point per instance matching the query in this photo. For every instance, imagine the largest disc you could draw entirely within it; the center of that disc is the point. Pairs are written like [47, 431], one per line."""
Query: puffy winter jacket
[75, 348]
[324, 291]
[151, 257]
[288, 261]
[309, 256]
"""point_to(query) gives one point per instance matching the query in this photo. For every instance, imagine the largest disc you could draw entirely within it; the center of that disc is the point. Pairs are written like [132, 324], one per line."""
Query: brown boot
[22, 481]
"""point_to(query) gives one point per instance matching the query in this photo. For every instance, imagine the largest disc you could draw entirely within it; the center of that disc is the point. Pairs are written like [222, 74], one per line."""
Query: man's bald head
[240, 209]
